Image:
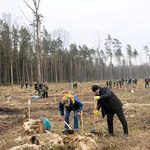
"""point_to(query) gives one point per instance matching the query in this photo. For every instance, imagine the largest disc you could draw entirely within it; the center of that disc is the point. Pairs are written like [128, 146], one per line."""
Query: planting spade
[69, 131]
[93, 128]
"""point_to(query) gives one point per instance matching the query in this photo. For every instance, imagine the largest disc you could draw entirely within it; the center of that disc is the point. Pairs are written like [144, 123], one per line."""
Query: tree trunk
[11, 70]
[56, 76]
[23, 73]
[71, 69]
[27, 72]
[0, 68]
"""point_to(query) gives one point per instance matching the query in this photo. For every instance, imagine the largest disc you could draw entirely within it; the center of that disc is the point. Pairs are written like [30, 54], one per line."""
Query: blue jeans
[67, 113]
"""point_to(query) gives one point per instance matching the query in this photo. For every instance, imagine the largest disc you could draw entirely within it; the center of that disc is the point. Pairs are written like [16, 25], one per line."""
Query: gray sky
[86, 20]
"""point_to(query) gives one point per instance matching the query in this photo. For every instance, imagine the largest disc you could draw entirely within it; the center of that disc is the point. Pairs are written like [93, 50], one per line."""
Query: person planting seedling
[110, 105]
[70, 103]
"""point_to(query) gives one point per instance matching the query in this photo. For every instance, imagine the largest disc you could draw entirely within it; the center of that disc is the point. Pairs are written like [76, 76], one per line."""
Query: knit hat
[95, 87]
[66, 102]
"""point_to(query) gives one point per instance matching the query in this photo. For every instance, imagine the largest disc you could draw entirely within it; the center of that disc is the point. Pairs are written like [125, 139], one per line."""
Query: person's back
[40, 91]
[26, 84]
[45, 88]
[47, 123]
[109, 100]
[36, 86]
[45, 91]
[146, 80]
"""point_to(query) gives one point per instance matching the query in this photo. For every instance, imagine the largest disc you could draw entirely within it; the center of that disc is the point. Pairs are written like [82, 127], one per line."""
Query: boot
[125, 135]
[109, 135]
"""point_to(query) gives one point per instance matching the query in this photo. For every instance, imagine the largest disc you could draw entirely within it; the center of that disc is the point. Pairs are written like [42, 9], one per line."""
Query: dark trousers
[146, 85]
[45, 95]
[122, 119]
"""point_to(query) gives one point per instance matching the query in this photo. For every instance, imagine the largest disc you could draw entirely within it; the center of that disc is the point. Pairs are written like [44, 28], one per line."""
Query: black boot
[125, 135]
[109, 135]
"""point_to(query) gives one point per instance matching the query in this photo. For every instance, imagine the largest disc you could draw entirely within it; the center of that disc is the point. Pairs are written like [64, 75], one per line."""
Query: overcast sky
[90, 20]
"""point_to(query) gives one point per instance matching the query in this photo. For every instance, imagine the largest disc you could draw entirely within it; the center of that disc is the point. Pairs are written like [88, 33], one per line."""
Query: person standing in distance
[110, 105]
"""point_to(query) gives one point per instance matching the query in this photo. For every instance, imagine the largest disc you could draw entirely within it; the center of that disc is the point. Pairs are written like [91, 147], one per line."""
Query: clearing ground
[14, 106]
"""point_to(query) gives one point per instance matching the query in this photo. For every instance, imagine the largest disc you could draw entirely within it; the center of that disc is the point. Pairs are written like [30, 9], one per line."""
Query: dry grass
[14, 106]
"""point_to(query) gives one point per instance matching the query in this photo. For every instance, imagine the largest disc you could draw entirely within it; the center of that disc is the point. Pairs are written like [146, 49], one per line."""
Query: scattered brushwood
[75, 141]
[52, 140]
[84, 143]
[31, 127]
[26, 146]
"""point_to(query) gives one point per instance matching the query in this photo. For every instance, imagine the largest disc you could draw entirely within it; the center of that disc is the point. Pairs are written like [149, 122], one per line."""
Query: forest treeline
[61, 62]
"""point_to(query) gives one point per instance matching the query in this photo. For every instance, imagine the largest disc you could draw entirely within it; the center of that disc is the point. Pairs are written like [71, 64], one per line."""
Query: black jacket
[108, 102]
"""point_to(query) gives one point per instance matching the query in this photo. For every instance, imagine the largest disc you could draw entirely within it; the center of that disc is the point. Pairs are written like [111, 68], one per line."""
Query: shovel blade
[69, 131]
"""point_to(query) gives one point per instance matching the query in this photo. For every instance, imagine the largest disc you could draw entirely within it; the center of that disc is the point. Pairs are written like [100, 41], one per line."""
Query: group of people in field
[106, 100]
[40, 87]
[27, 85]
[115, 84]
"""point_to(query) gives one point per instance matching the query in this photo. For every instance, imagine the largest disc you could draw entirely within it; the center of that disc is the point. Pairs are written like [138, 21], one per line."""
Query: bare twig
[29, 6]
[25, 15]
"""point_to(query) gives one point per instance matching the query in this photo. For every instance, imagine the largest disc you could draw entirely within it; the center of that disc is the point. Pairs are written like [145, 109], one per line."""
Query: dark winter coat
[45, 88]
[108, 102]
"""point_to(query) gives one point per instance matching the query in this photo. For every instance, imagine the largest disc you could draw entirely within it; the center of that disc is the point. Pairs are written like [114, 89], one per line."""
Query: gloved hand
[95, 112]
[96, 98]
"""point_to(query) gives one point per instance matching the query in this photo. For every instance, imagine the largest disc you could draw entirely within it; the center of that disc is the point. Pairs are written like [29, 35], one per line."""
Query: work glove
[95, 112]
[96, 98]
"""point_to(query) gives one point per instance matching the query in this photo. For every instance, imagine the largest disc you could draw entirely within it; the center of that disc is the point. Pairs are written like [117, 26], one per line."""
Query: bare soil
[14, 107]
